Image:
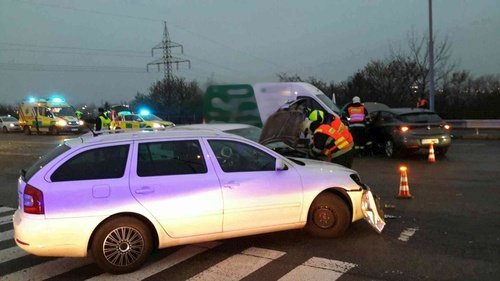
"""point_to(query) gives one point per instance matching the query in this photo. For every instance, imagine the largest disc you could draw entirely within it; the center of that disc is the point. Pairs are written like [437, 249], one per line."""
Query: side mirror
[280, 165]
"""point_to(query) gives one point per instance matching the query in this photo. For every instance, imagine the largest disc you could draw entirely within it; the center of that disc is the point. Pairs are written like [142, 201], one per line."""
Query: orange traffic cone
[432, 157]
[404, 189]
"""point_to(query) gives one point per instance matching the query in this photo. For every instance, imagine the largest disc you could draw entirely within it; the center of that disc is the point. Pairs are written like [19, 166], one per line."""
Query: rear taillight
[33, 201]
[446, 126]
[404, 129]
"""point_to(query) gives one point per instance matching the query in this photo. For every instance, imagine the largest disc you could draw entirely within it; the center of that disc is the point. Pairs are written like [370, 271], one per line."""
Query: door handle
[145, 190]
[231, 184]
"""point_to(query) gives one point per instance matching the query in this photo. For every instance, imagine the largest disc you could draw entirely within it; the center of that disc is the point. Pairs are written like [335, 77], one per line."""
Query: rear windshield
[248, 133]
[60, 149]
[8, 119]
[425, 117]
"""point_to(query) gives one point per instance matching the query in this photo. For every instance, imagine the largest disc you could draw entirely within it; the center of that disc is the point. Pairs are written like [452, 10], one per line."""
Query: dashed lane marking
[407, 233]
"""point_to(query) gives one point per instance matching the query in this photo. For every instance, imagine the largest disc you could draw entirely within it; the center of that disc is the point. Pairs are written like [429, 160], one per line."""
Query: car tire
[27, 130]
[4, 130]
[121, 245]
[390, 149]
[441, 151]
[53, 130]
[328, 216]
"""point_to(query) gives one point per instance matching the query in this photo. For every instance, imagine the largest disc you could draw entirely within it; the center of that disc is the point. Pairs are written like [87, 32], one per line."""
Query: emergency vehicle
[52, 116]
[128, 120]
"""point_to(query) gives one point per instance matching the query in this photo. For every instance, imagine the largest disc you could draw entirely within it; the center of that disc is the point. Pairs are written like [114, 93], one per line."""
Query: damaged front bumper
[372, 210]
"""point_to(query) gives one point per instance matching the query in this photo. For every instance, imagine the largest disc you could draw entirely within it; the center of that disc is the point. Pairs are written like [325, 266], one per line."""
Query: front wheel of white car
[328, 216]
[121, 245]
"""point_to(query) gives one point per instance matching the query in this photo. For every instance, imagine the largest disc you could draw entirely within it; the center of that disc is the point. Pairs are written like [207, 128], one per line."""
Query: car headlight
[11, 125]
[80, 122]
[62, 123]
[156, 125]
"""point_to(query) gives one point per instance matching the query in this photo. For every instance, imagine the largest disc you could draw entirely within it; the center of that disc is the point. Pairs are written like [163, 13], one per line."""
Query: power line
[69, 68]
[72, 48]
[70, 53]
[155, 20]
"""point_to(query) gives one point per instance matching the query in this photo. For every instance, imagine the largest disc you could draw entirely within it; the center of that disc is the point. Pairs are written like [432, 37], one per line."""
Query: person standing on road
[358, 116]
[422, 102]
[330, 138]
[102, 121]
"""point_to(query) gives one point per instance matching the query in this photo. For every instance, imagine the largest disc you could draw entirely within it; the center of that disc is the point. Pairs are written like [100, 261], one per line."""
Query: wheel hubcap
[388, 148]
[324, 217]
[123, 246]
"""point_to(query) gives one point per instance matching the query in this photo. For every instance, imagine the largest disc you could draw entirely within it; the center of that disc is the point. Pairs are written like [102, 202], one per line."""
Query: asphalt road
[449, 230]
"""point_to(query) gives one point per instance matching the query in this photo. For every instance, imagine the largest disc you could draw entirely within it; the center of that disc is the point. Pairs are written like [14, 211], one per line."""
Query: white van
[253, 104]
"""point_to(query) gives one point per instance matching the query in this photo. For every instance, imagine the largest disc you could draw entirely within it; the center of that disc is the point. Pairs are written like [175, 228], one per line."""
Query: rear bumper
[417, 142]
[53, 237]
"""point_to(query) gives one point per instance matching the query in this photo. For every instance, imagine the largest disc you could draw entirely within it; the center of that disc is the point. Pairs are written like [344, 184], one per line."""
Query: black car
[395, 131]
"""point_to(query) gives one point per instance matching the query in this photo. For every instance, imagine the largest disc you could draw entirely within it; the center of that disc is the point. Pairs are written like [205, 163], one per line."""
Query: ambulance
[52, 116]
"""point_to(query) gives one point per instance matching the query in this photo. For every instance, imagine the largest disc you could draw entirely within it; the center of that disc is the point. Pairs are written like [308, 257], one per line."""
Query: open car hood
[284, 125]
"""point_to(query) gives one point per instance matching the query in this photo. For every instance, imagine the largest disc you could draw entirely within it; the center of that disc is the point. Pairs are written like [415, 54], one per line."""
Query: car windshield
[424, 117]
[9, 119]
[62, 111]
[251, 133]
[329, 103]
[151, 117]
[60, 149]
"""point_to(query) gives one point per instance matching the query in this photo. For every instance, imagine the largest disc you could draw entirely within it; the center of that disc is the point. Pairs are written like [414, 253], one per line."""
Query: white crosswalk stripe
[234, 268]
[11, 253]
[47, 269]
[167, 262]
[318, 269]
[6, 209]
[6, 219]
[6, 235]
[239, 266]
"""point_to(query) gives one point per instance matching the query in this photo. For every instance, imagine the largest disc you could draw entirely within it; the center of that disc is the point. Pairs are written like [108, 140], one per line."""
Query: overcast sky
[94, 51]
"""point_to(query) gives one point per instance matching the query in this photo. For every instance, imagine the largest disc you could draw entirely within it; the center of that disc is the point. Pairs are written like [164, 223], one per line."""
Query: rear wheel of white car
[121, 245]
[328, 216]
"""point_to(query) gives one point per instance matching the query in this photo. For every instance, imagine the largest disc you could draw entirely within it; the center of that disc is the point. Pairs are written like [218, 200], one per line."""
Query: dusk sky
[94, 51]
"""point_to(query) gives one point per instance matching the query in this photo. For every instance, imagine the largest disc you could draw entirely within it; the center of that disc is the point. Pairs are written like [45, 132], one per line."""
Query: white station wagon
[119, 196]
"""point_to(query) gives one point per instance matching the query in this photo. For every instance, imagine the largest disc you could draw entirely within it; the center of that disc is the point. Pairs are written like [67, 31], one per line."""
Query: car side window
[235, 156]
[170, 158]
[99, 163]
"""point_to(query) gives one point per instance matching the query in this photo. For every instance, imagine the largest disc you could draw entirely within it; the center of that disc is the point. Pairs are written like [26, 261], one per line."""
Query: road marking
[17, 154]
[6, 235]
[12, 253]
[6, 209]
[240, 265]
[47, 269]
[407, 233]
[6, 219]
[318, 269]
[167, 262]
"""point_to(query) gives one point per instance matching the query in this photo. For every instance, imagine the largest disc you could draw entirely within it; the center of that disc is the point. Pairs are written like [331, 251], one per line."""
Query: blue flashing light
[144, 112]
[57, 99]
[31, 99]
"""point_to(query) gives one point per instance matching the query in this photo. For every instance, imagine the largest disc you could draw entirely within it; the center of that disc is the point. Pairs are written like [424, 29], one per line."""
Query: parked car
[9, 124]
[119, 196]
[396, 131]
